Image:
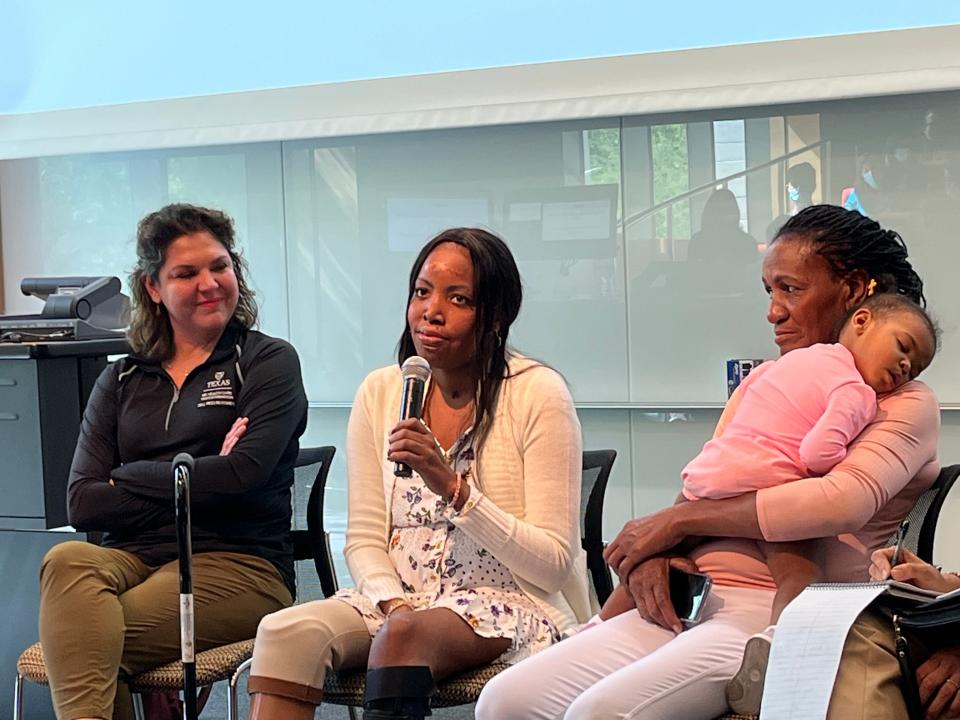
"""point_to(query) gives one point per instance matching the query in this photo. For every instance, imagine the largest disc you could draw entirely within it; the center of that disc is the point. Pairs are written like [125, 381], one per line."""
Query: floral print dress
[440, 566]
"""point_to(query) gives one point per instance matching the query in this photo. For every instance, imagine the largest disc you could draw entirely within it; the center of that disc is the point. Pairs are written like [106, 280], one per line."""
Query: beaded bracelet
[462, 477]
[452, 502]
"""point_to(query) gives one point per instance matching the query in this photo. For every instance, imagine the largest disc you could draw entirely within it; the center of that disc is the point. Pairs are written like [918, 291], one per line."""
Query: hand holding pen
[899, 563]
[885, 559]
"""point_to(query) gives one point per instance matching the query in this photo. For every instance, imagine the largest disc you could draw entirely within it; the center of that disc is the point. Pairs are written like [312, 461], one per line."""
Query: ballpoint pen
[901, 536]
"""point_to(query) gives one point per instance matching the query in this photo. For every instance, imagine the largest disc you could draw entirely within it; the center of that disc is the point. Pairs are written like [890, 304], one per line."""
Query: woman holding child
[824, 262]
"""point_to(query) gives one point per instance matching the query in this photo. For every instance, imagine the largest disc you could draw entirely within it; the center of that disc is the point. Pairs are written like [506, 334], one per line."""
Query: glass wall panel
[639, 239]
[246, 182]
[86, 209]
[898, 160]
[694, 300]
[359, 210]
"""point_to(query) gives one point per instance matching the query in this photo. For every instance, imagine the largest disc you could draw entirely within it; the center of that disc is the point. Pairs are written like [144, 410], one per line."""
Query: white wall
[58, 54]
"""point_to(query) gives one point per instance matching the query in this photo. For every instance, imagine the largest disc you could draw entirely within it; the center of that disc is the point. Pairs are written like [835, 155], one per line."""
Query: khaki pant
[103, 613]
[868, 681]
[297, 646]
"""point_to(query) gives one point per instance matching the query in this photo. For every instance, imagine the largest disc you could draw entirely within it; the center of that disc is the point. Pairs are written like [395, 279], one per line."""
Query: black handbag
[933, 625]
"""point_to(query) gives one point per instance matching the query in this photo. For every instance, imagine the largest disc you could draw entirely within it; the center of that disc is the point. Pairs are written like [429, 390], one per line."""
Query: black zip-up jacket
[137, 420]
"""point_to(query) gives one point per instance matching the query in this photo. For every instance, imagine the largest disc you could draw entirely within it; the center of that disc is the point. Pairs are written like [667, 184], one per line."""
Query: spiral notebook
[894, 588]
[809, 641]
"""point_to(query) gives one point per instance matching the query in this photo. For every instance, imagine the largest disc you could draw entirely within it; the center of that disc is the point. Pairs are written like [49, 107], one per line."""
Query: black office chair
[221, 663]
[314, 542]
[926, 513]
[596, 472]
[346, 687]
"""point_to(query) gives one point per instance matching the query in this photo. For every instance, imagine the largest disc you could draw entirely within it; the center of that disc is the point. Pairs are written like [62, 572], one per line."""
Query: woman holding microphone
[476, 555]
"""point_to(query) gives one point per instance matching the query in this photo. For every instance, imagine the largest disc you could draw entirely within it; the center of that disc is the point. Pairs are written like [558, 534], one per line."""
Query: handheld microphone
[415, 371]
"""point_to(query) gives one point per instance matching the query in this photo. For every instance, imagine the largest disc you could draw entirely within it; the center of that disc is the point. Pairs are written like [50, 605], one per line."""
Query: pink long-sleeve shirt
[795, 418]
[857, 505]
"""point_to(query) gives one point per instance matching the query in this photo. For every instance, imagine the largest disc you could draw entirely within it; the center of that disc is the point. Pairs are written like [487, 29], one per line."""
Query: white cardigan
[527, 485]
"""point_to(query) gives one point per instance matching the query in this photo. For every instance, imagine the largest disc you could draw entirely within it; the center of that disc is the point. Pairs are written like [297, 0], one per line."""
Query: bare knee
[399, 634]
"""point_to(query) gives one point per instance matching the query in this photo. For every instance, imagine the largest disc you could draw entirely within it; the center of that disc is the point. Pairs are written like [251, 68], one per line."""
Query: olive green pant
[105, 616]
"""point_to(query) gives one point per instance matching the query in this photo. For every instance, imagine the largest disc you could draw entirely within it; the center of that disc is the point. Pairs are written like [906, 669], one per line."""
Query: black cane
[182, 469]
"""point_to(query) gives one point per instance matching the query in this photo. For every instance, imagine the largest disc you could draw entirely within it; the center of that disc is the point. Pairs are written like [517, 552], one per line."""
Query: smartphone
[688, 592]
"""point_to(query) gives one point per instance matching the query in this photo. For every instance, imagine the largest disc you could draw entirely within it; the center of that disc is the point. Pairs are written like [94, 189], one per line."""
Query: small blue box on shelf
[737, 370]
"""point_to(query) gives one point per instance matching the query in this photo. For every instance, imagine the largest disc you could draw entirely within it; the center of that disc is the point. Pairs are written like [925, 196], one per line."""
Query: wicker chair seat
[735, 716]
[30, 665]
[212, 666]
[346, 687]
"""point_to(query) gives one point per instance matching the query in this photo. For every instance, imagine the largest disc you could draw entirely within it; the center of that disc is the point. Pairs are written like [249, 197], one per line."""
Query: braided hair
[849, 242]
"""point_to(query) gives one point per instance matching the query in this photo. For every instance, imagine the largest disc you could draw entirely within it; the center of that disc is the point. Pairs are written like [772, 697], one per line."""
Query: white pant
[629, 668]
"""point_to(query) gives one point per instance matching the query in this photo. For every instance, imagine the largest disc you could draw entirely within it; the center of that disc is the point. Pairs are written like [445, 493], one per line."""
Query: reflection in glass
[373, 203]
[89, 206]
[87, 217]
[635, 290]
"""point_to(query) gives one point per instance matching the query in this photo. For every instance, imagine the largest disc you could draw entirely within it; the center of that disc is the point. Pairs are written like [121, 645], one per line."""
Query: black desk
[43, 390]
[66, 348]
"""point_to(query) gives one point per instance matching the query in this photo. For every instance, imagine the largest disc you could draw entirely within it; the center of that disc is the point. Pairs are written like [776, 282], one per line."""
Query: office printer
[74, 308]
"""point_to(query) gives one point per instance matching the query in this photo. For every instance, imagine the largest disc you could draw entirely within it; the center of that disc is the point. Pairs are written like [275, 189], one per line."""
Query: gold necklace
[190, 364]
[464, 416]
[175, 374]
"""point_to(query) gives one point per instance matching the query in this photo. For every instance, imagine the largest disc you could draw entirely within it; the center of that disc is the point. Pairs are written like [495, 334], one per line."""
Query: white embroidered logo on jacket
[218, 392]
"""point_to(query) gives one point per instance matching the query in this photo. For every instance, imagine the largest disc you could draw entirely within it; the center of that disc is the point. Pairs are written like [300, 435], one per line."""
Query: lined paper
[806, 649]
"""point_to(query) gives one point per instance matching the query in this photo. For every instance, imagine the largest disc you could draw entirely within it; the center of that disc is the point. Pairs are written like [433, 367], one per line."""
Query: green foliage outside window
[603, 156]
[670, 178]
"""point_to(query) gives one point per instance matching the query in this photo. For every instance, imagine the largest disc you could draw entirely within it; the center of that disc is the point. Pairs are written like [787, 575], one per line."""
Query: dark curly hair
[851, 242]
[150, 333]
[884, 305]
[498, 295]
